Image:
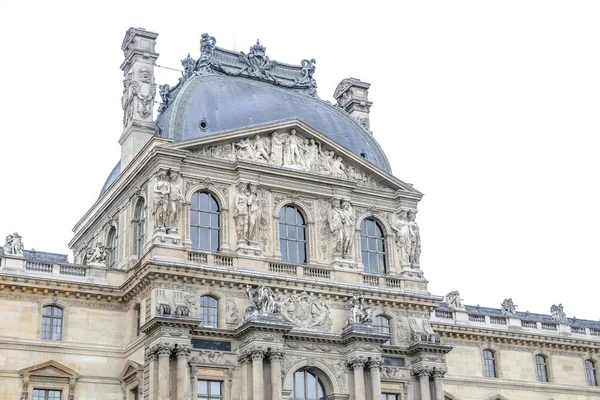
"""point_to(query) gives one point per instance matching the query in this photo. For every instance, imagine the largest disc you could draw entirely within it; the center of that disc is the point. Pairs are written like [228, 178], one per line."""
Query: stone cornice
[519, 338]
[547, 387]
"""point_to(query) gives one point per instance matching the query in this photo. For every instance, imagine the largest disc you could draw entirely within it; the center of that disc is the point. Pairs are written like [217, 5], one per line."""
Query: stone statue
[312, 156]
[245, 150]
[160, 204]
[291, 152]
[254, 213]
[337, 167]
[508, 307]
[558, 313]
[402, 232]
[349, 228]
[276, 149]
[359, 313]
[262, 300]
[454, 301]
[415, 239]
[176, 201]
[13, 245]
[96, 254]
[261, 146]
[336, 225]
[241, 213]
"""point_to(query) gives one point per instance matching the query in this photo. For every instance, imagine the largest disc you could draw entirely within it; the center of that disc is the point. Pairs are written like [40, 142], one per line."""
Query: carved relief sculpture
[359, 312]
[289, 150]
[306, 312]
[262, 300]
[248, 216]
[96, 255]
[13, 245]
[181, 306]
[403, 243]
[231, 312]
[163, 307]
[176, 201]
[508, 307]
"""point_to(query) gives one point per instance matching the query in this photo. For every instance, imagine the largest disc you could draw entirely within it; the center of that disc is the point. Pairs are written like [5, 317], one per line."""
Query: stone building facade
[252, 244]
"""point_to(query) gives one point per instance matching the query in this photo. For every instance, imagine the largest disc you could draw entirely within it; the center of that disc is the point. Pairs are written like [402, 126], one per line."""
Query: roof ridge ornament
[254, 65]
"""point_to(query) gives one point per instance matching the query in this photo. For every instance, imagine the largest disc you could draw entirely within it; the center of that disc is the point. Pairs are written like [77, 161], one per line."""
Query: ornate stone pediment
[49, 368]
[294, 146]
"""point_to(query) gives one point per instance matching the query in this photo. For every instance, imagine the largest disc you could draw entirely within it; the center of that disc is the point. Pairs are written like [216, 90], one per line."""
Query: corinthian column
[438, 376]
[358, 367]
[183, 379]
[163, 351]
[258, 386]
[276, 357]
[422, 373]
[374, 365]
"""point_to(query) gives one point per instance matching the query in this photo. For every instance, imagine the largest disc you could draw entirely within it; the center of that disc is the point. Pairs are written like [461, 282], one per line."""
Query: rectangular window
[219, 345]
[388, 396]
[45, 394]
[209, 390]
[489, 364]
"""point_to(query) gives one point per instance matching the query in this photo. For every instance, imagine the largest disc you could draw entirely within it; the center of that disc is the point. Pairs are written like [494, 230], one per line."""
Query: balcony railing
[287, 269]
[371, 280]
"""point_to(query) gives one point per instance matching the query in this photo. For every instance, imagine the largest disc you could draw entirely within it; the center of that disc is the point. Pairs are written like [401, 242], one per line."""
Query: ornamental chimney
[352, 95]
[139, 91]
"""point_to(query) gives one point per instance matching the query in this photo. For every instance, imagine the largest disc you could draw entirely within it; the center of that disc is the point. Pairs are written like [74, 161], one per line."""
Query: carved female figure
[241, 213]
[415, 239]
[176, 201]
[336, 225]
[312, 158]
[402, 231]
[349, 227]
[254, 213]
[162, 188]
[246, 149]
[276, 149]
[260, 147]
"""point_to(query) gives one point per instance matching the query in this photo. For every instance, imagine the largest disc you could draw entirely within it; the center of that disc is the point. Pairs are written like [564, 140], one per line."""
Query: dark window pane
[195, 201]
[214, 206]
[194, 218]
[291, 216]
[214, 220]
[204, 220]
[291, 232]
[204, 202]
[301, 253]
[204, 239]
[301, 233]
[214, 240]
[195, 241]
[283, 249]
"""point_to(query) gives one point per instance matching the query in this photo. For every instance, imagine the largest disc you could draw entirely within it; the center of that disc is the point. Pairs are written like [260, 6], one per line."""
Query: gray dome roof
[208, 104]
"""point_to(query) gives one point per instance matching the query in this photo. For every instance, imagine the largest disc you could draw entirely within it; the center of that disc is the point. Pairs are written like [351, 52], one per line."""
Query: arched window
[307, 386]
[489, 364]
[113, 247]
[140, 236]
[205, 224]
[52, 319]
[209, 311]
[292, 235]
[541, 364]
[382, 324]
[590, 372]
[372, 246]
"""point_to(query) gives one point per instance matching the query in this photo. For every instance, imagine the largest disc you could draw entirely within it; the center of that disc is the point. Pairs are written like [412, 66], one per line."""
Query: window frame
[112, 239]
[141, 221]
[208, 396]
[542, 371]
[494, 363]
[199, 228]
[209, 307]
[47, 393]
[283, 234]
[318, 383]
[587, 369]
[381, 327]
[52, 318]
[364, 235]
[389, 396]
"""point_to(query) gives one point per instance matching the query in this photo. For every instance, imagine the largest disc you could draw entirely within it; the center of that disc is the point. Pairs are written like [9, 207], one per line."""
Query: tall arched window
[489, 364]
[372, 246]
[307, 386]
[292, 235]
[382, 324]
[590, 372]
[113, 247]
[52, 319]
[209, 311]
[140, 227]
[541, 364]
[205, 224]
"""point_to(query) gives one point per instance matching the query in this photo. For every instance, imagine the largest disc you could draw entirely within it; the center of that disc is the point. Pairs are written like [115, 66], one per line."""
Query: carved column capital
[356, 362]
[419, 372]
[163, 349]
[257, 354]
[183, 351]
[438, 373]
[374, 363]
[243, 358]
[276, 355]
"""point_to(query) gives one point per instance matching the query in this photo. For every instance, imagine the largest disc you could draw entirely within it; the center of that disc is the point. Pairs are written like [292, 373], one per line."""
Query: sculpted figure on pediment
[276, 157]
[291, 152]
[245, 149]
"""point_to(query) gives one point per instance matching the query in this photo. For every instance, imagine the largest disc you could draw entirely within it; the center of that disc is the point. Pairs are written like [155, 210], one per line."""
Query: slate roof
[34, 255]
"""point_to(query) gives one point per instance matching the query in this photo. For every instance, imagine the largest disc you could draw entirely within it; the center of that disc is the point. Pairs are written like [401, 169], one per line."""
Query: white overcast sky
[490, 108]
